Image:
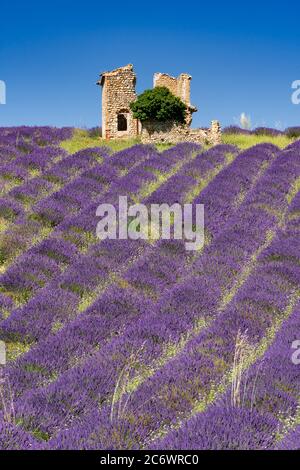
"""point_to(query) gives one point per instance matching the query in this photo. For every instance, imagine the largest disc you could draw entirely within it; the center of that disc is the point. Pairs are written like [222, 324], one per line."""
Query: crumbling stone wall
[118, 91]
[180, 87]
[154, 132]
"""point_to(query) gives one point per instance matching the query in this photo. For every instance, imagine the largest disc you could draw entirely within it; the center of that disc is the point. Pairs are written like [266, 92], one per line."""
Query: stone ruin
[118, 91]
[180, 87]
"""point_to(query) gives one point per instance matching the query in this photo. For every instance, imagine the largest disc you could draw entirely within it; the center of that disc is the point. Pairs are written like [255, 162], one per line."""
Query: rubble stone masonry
[169, 132]
[180, 87]
[118, 91]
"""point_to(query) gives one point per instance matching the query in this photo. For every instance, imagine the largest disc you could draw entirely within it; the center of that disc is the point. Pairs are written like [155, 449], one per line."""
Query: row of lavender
[122, 163]
[22, 149]
[169, 254]
[71, 198]
[129, 308]
[64, 182]
[292, 132]
[63, 245]
[170, 390]
[142, 317]
[78, 271]
[269, 396]
[27, 155]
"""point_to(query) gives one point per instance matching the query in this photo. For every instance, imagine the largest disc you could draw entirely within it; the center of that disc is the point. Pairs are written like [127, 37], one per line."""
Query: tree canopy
[159, 104]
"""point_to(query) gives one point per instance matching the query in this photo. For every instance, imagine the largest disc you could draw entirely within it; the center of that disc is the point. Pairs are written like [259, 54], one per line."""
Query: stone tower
[118, 91]
[180, 87]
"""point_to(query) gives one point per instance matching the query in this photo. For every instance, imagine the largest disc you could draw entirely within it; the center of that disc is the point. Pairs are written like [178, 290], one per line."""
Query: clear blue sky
[243, 56]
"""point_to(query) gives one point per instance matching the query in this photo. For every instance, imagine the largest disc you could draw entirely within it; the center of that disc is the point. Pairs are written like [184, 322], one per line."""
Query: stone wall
[159, 132]
[118, 91]
[180, 87]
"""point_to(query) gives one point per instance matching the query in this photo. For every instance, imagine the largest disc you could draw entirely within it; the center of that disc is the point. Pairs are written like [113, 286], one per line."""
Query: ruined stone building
[180, 87]
[118, 91]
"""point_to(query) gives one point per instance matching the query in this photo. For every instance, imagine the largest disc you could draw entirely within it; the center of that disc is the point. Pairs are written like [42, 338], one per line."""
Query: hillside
[129, 344]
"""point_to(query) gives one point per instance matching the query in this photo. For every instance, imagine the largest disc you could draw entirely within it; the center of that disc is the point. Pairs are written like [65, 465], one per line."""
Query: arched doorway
[122, 122]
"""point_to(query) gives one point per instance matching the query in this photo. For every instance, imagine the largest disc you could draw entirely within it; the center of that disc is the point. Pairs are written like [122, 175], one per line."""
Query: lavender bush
[123, 344]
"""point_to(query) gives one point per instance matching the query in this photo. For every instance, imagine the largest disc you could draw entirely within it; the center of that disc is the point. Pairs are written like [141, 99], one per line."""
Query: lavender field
[135, 344]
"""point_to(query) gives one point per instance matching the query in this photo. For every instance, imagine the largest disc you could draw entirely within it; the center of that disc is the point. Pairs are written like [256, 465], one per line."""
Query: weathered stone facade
[180, 87]
[118, 91]
[169, 132]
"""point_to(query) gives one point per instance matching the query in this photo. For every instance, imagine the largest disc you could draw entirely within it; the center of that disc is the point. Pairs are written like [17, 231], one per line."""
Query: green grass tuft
[16, 349]
[246, 141]
[81, 140]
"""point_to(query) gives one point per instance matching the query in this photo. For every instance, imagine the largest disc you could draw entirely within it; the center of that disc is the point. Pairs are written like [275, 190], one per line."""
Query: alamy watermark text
[2, 92]
[296, 353]
[137, 222]
[296, 93]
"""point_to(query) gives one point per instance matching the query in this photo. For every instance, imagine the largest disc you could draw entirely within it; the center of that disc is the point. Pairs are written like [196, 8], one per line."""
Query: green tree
[159, 104]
